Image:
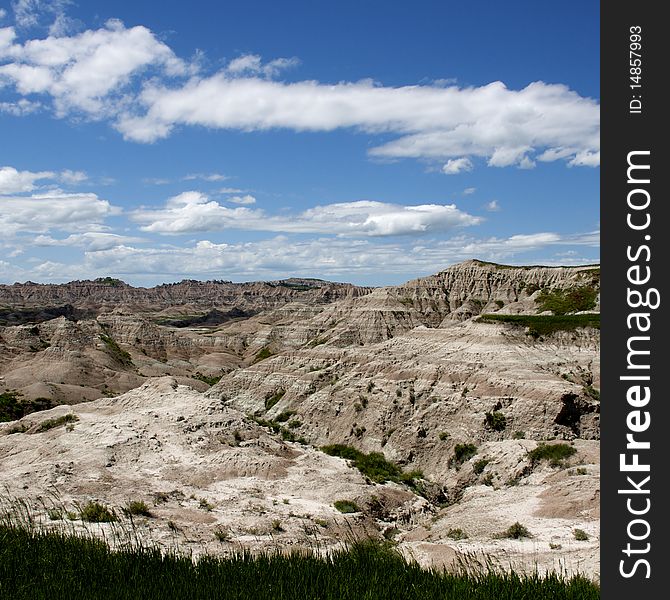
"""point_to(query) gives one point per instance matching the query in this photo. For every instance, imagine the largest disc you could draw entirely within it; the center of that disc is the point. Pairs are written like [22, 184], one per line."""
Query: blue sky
[370, 142]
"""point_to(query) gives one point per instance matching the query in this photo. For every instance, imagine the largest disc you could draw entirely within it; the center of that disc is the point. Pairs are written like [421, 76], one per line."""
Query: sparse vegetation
[495, 421]
[563, 302]
[443, 435]
[94, 512]
[115, 351]
[539, 325]
[374, 465]
[209, 380]
[479, 465]
[204, 504]
[346, 506]
[462, 453]
[580, 535]
[13, 406]
[516, 532]
[138, 508]
[262, 354]
[556, 454]
[457, 534]
[56, 422]
[519, 435]
[222, 535]
[272, 399]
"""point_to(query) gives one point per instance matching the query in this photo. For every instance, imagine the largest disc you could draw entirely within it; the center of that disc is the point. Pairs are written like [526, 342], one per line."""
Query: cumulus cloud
[505, 127]
[192, 211]
[87, 72]
[457, 165]
[40, 213]
[95, 72]
[16, 182]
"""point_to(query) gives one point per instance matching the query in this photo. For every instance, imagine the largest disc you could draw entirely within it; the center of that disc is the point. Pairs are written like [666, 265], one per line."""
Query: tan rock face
[406, 371]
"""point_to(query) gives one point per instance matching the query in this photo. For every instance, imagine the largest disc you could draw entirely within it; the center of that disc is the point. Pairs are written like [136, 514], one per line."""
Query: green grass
[544, 324]
[374, 465]
[59, 566]
[138, 508]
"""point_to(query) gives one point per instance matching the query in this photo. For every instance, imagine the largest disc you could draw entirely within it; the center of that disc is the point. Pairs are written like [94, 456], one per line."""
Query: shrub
[94, 512]
[561, 302]
[443, 435]
[373, 465]
[209, 380]
[517, 532]
[544, 324]
[284, 415]
[479, 465]
[115, 351]
[346, 506]
[519, 435]
[204, 504]
[262, 354]
[580, 535]
[457, 534]
[276, 525]
[462, 453]
[272, 399]
[222, 535]
[56, 422]
[137, 507]
[495, 420]
[554, 453]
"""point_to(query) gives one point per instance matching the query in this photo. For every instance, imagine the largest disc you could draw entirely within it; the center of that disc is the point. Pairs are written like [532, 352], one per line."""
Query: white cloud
[86, 72]
[20, 108]
[504, 126]
[469, 191]
[457, 165]
[229, 190]
[72, 177]
[3, 13]
[92, 241]
[94, 73]
[493, 206]
[51, 210]
[205, 177]
[246, 199]
[252, 64]
[193, 211]
[16, 182]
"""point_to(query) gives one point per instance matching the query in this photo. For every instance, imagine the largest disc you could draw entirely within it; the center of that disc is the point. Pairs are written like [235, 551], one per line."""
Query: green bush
[457, 534]
[272, 399]
[517, 532]
[554, 453]
[56, 422]
[263, 354]
[137, 507]
[209, 380]
[495, 420]
[562, 302]
[346, 506]
[479, 465]
[462, 453]
[544, 324]
[373, 465]
[580, 535]
[94, 512]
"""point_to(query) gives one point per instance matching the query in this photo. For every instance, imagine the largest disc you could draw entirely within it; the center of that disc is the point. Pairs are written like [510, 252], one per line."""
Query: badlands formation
[212, 404]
